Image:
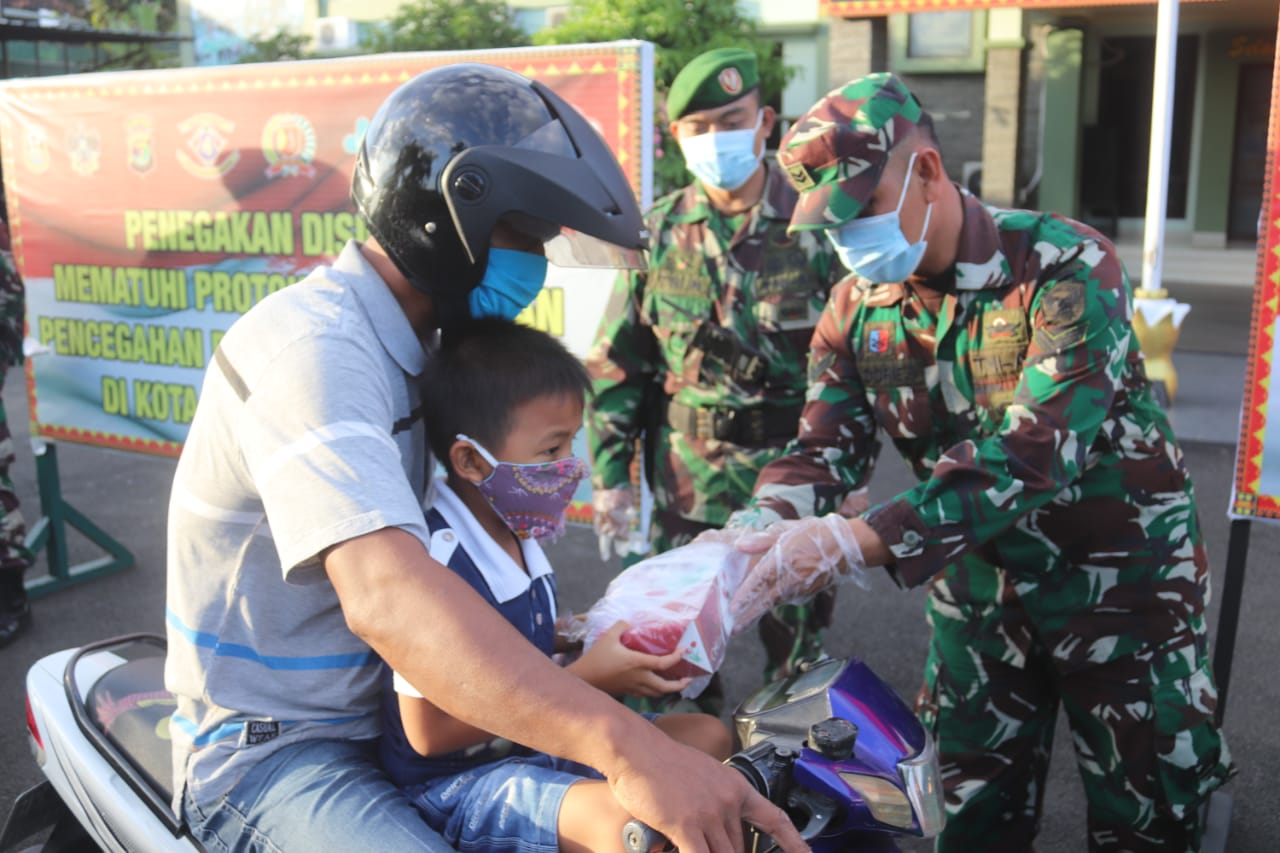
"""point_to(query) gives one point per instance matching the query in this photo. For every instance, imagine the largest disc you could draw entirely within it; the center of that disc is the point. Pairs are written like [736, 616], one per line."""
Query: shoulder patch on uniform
[1063, 303]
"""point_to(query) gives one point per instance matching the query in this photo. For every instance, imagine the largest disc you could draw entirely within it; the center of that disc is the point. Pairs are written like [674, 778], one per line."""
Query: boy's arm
[431, 731]
[619, 671]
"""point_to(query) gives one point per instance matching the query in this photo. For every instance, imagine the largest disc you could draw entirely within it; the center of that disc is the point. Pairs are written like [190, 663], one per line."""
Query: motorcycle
[841, 754]
[832, 744]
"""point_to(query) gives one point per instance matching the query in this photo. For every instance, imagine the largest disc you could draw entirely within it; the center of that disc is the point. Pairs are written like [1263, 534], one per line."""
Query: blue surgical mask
[724, 159]
[511, 281]
[875, 247]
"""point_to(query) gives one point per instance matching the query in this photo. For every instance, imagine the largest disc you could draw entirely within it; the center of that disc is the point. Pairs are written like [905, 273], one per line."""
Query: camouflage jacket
[1022, 406]
[12, 305]
[759, 292]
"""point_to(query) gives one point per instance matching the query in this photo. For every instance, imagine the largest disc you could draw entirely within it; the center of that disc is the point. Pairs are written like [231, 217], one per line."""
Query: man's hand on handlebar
[697, 802]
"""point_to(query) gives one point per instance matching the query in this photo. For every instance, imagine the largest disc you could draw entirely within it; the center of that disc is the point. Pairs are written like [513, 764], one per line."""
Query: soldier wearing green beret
[703, 354]
[1054, 522]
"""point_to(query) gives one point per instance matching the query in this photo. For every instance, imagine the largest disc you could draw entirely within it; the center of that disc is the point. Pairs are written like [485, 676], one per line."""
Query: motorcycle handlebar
[638, 837]
[763, 765]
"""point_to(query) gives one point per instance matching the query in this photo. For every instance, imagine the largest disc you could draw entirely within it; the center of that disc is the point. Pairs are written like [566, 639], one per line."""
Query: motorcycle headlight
[916, 803]
[887, 803]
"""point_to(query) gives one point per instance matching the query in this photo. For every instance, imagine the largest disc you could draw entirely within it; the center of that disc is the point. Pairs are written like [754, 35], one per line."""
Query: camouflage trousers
[790, 633]
[1148, 749]
[14, 555]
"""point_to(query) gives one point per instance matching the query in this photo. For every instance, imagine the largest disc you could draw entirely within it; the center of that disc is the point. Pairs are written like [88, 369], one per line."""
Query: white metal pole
[1158, 159]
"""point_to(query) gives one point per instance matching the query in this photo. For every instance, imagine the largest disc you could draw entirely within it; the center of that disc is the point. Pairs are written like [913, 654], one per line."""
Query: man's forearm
[431, 627]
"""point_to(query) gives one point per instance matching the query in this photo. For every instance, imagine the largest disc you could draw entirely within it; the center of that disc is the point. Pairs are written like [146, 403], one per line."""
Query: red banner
[150, 209]
[1257, 482]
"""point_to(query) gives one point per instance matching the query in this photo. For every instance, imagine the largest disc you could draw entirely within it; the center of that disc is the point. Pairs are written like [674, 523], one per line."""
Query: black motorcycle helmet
[455, 149]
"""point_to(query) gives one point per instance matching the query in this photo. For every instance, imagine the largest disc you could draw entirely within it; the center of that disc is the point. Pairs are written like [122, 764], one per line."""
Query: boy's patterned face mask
[530, 497]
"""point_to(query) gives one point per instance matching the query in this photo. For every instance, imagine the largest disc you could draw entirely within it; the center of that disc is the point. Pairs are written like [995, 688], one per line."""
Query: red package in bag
[676, 600]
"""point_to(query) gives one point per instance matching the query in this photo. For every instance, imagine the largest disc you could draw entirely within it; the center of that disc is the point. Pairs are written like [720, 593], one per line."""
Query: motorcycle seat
[131, 708]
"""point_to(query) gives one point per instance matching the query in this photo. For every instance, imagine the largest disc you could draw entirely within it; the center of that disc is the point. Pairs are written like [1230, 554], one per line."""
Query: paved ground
[126, 494]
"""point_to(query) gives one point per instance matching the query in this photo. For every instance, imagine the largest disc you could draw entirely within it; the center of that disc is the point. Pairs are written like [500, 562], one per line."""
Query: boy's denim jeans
[312, 796]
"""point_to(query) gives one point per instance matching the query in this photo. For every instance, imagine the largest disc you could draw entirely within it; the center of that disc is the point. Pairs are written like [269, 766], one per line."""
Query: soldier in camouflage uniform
[1054, 522]
[15, 611]
[704, 354]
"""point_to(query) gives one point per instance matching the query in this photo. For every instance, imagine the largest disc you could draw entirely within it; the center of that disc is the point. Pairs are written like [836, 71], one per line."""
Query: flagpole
[1158, 317]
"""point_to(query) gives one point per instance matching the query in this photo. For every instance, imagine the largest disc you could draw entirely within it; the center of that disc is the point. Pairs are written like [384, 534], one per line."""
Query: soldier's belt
[748, 427]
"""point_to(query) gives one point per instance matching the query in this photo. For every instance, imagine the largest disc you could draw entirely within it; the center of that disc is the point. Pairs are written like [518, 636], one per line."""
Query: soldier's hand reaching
[795, 560]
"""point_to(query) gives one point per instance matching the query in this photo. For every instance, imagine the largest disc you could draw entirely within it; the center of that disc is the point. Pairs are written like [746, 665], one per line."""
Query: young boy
[505, 402]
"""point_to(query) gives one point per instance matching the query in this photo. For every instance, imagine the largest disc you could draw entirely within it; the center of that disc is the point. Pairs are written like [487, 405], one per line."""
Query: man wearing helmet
[297, 557]
[1054, 522]
[703, 351]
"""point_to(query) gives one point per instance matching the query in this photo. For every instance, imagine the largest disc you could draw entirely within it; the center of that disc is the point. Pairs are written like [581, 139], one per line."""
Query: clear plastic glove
[751, 518]
[796, 559]
[855, 504]
[613, 512]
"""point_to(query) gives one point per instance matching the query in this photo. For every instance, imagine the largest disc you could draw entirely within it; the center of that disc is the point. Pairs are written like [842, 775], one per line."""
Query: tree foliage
[680, 30]
[281, 45]
[448, 25]
[134, 16]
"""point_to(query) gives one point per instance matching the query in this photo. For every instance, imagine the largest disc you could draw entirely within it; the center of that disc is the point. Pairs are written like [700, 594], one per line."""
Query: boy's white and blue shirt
[526, 600]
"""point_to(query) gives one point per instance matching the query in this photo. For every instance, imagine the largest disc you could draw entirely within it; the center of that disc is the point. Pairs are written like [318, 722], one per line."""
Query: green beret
[835, 154]
[711, 80]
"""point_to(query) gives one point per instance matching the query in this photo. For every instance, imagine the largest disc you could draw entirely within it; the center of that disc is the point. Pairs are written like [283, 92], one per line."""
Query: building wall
[854, 48]
[956, 102]
[1056, 97]
[1223, 53]
[806, 54]
[1031, 165]
[360, 10]
[783, 11]
[1058, 138]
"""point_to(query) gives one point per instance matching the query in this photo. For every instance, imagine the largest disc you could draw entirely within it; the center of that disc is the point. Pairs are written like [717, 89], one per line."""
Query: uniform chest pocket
[678, 293]
[996, 357]
[789, 294]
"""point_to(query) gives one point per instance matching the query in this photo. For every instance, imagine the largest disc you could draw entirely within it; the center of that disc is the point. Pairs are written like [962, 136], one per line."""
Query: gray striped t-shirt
[306, 435]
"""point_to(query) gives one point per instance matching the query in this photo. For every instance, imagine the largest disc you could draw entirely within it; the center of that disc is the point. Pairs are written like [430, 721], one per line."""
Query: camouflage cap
[712, 79]
[836, 152]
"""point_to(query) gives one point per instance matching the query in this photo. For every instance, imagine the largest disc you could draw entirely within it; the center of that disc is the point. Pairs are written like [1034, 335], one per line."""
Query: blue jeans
[316, 795]
[508, 805]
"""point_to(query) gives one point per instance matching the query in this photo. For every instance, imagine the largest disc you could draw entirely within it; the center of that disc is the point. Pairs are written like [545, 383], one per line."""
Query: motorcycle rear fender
[100, 797]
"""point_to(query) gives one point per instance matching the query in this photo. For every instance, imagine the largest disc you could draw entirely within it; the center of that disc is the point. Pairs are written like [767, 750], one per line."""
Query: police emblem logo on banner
[206, 155]
[84, 150]
[289, 145]
[140, 143]
[35, 153]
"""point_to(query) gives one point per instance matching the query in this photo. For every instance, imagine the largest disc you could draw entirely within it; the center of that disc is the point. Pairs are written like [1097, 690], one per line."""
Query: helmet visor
[572, 248]
[566, 246]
